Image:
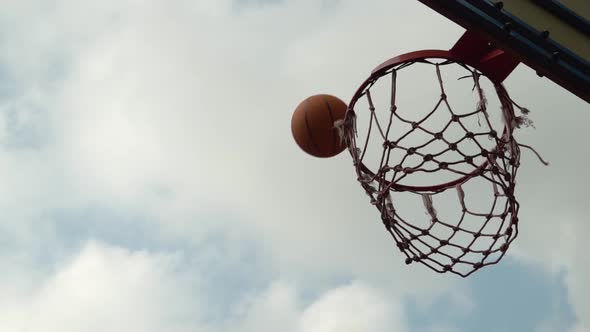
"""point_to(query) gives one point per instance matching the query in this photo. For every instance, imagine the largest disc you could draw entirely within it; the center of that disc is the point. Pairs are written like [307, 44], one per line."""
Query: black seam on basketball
[310, 134]
[334, 138]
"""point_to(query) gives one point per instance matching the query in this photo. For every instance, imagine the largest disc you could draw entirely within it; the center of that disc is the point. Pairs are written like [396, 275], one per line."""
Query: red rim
[381, 70]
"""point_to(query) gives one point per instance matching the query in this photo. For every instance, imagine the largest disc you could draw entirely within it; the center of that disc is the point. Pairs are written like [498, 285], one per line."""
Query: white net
[423, 157]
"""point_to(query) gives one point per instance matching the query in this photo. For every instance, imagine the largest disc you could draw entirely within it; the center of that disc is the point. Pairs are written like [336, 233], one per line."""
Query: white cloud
[353, 308]
[171, 99]
[107, 288]
[276, 308]
[194, 101]
[554, 225]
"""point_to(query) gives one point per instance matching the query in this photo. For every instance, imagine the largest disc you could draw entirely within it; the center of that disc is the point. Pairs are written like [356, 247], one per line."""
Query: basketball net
[474, 237]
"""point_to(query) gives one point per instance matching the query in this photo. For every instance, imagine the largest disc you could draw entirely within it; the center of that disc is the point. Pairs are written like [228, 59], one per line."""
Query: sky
[150, 181]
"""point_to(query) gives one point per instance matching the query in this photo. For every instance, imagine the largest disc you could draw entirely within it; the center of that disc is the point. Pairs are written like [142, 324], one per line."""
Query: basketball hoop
[476, 238]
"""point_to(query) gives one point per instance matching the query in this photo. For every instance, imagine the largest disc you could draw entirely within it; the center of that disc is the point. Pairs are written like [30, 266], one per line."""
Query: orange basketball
[313, 128]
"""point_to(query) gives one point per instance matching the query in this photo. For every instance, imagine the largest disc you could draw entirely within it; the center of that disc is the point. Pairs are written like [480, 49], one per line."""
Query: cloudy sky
[150, 181]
